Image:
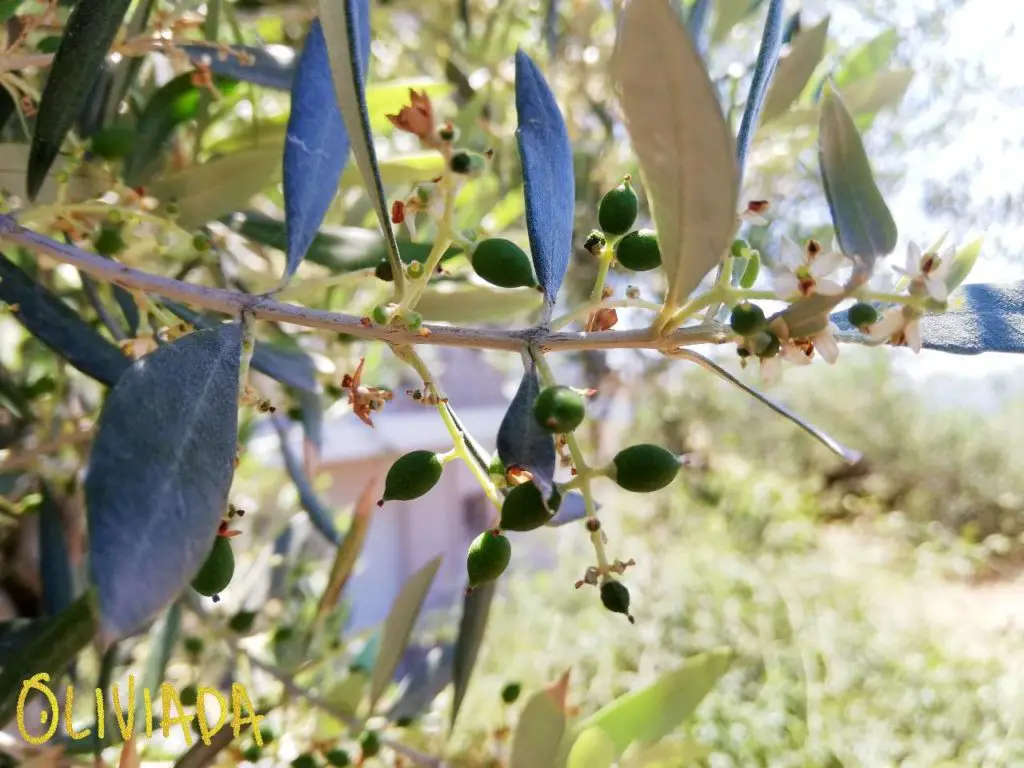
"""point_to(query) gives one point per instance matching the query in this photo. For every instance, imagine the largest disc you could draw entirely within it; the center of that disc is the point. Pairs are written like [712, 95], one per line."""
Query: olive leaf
[549, 184]
[316, 146]
[59, 327]
[120, 76]
[398, 628]
[423, 684]
[592, 749]
[681, 139]
[697, 21]
[349, 549]
[346, 27]
[271, 66]
[88, 34]
[867, 59]
[522, 442]
[764, 70]
[156, 489]
[794, 70]
[538, 734]
[476, 607]
[319, 515]
[55, 566]
[863, 224]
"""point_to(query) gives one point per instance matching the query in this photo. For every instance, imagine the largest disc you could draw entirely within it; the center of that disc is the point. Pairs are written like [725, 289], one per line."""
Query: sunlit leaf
[549, 184]
[402, 169]
[347, 32]
[88, 34]
[59, 327]
[764, 70]
[398, 628]
[316, 147]
[453, 302]
[476, 607]
[795, 69]
[868, 59]
[592, 749]
[176, 464]
[650, 714]
[684, 147]
[729, 13]
[963, 262]
[176, 103]
[522, 442]
[350, 548]
[217, 187]
[84, 181]
[272, 66]
[863, 224]
[538, 734]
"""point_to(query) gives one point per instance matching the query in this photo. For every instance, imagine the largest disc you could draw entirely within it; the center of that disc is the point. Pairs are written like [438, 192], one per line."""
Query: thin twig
[233, 302]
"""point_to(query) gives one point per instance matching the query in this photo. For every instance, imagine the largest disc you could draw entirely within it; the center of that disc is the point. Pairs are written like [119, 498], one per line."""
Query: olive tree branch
[265, 308]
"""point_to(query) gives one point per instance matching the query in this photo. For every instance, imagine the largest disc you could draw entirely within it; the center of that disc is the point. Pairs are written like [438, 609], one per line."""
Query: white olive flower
[929, 269]
[899, 328]
[802, 272]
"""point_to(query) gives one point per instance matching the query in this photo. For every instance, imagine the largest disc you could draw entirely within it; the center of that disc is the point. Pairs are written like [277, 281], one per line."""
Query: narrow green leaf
[201, 754]
[55, 566]
[538, 734]
[345, 24]
[685, 149]
[349, 550]
[423, 684]
[795, 69]
[8, 8]
[122, 75]
[215, 188]
[868, 59]
[453, 302]
[650, 714]
[88, 34]
[50, 651]
[404, 169]
[321, 517]
[863, 224]
[592, 749]
[729, 13]
[398, 628]
[963, 262]
[476, 607]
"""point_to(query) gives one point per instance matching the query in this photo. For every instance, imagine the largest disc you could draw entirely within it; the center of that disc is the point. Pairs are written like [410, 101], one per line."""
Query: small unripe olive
[369, 743]
[414, 270]
[639, 251]
[305, 760]
[252, 753]
[752, 270]
[379, 315]
[113, 142]
[559, 409]
[384, 272]
[216, 572]
[503, 263]
[746, 318]
[109, 241]
[338, 757]
[189, 695]
[242, 621]
[862, 315]
[511, 692]
[49, 44]
[497, 466]
[644, 468]
[467, 163]
[618, 208]
[488, 557]
[194, 646]
[201, 242]
[413, 321]
[411, 476]
[615, 598]
[766, 345]
[523, 509]
[738, 248]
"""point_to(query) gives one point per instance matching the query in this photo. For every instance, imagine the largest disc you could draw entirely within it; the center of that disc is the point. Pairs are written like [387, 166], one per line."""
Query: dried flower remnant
[417, 118]
[364, 400]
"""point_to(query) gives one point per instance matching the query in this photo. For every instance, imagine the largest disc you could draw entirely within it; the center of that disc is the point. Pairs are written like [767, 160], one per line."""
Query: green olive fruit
[639, 251]
[644, 468]
[218, 569]
[194, 646]
[511, 692]
[305, 760]
[411, 476]
[467, 163]
[369, 743]
[242, 622]
[338, 757]
[618, 208]
[615, 598]
[752, 270]
[380, 315]
[523, 509]
[189, 695]
[862, 315]
[766, 345]
[503, 263]
[109, 241]
[739, 248]
[559, 409]
[384, 272]
[252, 753]
[201, 242]
[488, 557]
[746, 318]
[413, 321]
[48, 44]
[114, 142]
[497, 466]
